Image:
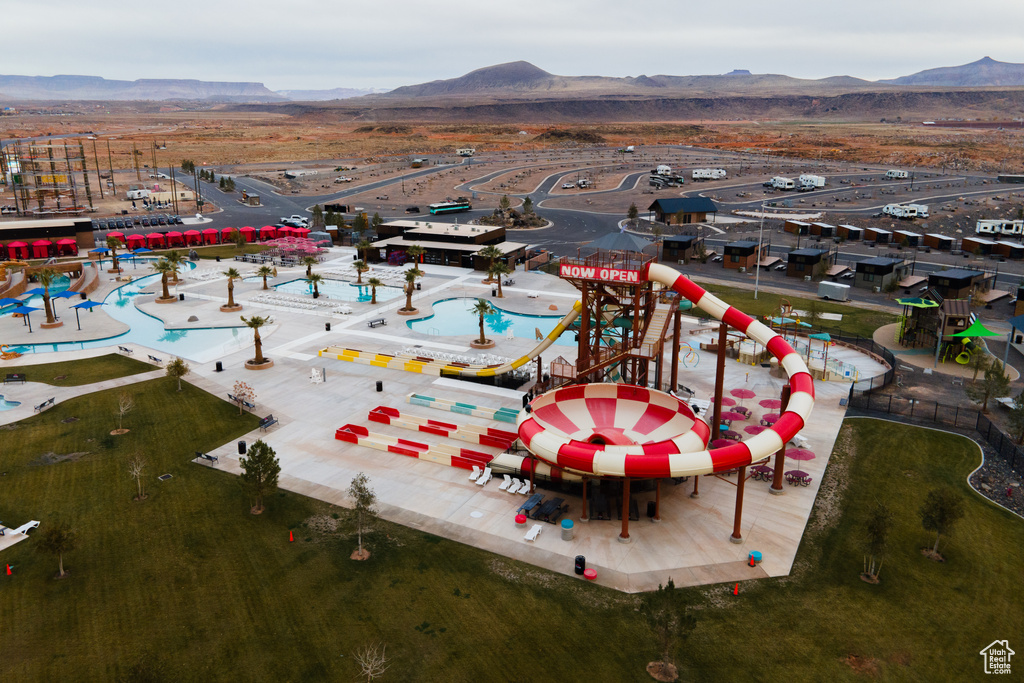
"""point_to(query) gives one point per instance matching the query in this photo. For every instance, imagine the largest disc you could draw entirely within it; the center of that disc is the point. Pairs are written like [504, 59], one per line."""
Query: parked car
[568, 186]
[177, 219]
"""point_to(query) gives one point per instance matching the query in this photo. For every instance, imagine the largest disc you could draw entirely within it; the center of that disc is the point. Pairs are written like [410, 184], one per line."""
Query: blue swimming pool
[60, 284]
[7, 405]
[455, 316]
[200, 345]
[340, 291]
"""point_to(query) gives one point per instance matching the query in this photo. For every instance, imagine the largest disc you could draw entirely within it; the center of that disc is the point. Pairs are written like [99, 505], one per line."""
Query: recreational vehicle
[893, 174]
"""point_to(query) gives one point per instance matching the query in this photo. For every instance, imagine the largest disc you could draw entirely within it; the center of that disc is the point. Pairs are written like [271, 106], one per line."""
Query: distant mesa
[738, 72]
[582, 137]
[512, 75]
[69, 87]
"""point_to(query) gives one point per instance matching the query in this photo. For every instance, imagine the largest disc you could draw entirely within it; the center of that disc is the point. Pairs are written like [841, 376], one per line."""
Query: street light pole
[760, 257]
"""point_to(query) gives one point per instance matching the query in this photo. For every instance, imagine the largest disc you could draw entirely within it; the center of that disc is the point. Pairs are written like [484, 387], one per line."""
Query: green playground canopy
[918, 302]
[823, 336]
[977, 330]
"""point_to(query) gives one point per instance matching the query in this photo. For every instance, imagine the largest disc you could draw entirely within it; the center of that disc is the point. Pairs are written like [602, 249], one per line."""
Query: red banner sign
[595, 273]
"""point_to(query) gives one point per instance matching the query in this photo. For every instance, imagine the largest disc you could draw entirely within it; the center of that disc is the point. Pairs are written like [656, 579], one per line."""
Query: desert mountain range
[514, 80]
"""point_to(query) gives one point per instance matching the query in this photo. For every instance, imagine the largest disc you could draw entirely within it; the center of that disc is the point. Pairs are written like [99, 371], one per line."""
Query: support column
[624, 535]
[676, 331]
[533, 468]
[716, 424]
[696, 485]
[583, 515]
[657, 501]
[737, 537]
[780, 456]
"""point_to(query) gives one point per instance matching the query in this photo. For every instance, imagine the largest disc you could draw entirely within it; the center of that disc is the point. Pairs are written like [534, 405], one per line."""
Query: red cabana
[211, 236]
[284, 232]
[249, 233]
[17, 250]
[268, 232]
[300, 232]
[67, 247]
[118, 235]
[193, 237]
[175, 239]
[155, 239]
[228, 234]
[136, 241]
[41, 248]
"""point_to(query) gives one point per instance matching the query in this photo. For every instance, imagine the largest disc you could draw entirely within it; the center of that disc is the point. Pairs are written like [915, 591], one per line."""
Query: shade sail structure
[917, 302]
[977, 330]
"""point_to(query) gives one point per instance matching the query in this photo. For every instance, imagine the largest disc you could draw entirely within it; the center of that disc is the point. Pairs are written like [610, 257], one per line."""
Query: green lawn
[188, 584]
[862, 321]
[73, 373]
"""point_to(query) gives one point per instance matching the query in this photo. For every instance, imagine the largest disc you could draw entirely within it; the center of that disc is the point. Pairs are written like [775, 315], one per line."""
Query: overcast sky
[302, 44]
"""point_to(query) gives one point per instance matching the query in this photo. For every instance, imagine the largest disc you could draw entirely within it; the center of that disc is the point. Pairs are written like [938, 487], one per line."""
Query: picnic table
[550, 511]
[798, 478]
[634, 510]
[531, 502]
[762, 472]
[599, 507]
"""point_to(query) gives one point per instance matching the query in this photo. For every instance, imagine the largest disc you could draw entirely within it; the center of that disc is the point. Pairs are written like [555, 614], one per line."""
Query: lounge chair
[24, 528]
[505, 484]
[514, 486]
[475, 474]
[525, 488]
[484, 477]
[534, 532]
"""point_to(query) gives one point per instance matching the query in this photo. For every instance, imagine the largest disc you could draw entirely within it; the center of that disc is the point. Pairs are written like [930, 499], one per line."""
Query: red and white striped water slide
[620, 430]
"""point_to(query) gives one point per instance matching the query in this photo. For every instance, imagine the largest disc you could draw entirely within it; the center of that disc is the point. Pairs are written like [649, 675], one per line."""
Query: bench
[206, 456]
[376, 323]
[268, 421]
[45, 404]
[14, 378]
[155, 359]
[235, 399]
[124, 349]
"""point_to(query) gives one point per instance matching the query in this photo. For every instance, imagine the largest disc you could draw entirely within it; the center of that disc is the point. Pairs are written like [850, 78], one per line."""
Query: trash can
[418, 286]
[241, 448]
[650, 509]
[1020, 337]
[380, 385]
[590, 574]
[85, 297]
[756, 555]
[220, 367]
[218, 259]
[567, 529]
[520, 520]
[494, 292]
[181, 297]
[581, 564]
[327, 327]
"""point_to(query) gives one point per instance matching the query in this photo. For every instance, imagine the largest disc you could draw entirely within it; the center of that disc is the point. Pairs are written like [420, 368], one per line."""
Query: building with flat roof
[49, 229]
[445, 244]
[879, 272]
[688, 209]
[804, 262]
[959, 283]
[742, 254]
[679, 248]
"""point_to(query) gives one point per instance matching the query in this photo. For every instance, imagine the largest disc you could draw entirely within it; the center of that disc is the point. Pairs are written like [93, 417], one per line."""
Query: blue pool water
[194, 344]
[341, 291]
[60, 283]
[7, 405]
[455, 316]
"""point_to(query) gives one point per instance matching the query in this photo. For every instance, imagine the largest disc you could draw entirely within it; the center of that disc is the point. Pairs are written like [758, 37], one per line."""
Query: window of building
[735, 258]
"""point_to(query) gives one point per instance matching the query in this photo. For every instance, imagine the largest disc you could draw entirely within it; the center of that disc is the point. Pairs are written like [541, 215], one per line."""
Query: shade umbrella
[99, 250]
[87, 305]
[143, 250]
[770, 403]
[742, 393]
[770, 418]
[733, 416]
[726, 401]
[799, 454]
[25, 310]
[754, 429]
[37, 291]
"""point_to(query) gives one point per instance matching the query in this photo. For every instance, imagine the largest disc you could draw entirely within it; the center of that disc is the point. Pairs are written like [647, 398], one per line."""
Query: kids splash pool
[339, 291]
[455, 316]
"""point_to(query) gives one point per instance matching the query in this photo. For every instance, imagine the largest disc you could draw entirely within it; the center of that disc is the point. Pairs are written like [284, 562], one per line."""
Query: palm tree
[175, 258]
[232, 275]
[309, 262]
[410, 286]
[265, 272]
[482, 308]
[414, 252]
[363, 246]
[315, 279]
[46, 277]
[490, 252]
[374, 284]
[113, 244]
[164, 267]
[495, 272]
[361, 268]
[256, 322]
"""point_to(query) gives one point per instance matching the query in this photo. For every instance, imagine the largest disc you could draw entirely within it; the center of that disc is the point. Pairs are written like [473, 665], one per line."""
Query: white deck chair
[484, 477]
[800, 441]
[534, 532]
[505, 484]
[514, 486]
[475, 474]
[525, 488]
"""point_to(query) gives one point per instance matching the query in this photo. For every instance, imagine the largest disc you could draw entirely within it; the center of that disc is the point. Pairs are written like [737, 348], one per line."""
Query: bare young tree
[365, 505]
[136, 465]
[372, 659]
[125, 403]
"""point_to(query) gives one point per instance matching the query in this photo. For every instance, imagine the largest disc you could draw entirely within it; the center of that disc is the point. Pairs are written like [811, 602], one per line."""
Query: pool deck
[691, 544]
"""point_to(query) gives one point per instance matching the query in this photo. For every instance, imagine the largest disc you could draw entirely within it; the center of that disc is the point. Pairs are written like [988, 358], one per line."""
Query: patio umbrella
[38, 291]
[770, 418]
[721, 443]
[726, 401]
[143, 250]
[25, 310]
[733, 416]
[8, 301]
[99, 250]
[799, 454]
[87, 305]
[743, 393]
[754, 429]
[770, 403]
